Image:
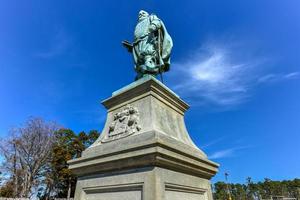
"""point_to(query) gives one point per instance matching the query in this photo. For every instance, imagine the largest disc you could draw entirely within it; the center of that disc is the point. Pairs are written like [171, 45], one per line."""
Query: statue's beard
[142, 18]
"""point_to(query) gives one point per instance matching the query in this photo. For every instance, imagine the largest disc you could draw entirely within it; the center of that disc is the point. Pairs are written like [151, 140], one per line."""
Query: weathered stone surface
[149, 183]
[159, 109]
[144, 151]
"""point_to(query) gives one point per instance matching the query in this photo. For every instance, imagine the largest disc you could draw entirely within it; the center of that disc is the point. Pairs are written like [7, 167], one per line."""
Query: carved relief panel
[125, 123]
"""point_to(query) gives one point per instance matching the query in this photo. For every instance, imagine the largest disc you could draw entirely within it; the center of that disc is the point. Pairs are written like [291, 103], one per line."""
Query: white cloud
[221, 75]
[222, 154]
[267, 78]
[214, 75]
[225, 153]
[292, 75]
[277, 77]
[211, 143]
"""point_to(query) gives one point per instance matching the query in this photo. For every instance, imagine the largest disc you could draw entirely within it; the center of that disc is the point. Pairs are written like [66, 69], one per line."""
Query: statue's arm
[155, 23]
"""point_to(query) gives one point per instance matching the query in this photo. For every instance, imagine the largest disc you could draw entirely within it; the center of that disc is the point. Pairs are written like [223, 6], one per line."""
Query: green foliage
[260, 190]
[7, 189]
[238, 191]
[220, 189]
[55, 180]
[68, 146]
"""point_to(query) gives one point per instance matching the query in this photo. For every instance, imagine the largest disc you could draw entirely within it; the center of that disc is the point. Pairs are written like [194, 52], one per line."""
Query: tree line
[34, 164]
[35, 160]
[256, 191]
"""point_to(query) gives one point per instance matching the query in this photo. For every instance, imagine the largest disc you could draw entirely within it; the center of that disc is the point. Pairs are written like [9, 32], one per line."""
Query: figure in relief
[125, 123]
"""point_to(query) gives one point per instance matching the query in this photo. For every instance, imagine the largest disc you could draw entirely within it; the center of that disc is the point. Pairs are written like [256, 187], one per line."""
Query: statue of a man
[151, 47]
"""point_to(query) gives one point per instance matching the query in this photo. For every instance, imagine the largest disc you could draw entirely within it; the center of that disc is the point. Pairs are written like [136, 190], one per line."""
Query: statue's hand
[152, 28]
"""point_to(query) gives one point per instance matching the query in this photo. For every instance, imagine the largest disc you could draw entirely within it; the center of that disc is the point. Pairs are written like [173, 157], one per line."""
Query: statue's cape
[167, 45]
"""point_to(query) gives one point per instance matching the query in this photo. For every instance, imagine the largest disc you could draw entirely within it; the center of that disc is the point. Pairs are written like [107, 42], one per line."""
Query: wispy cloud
[229, 152]
[58, 45]
[221, 75]
[277, 77]
[211, 143]
[292, 75]
[214, 75]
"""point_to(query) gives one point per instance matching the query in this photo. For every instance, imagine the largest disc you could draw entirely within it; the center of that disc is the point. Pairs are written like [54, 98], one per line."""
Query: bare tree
[27, 154]
[10, 166]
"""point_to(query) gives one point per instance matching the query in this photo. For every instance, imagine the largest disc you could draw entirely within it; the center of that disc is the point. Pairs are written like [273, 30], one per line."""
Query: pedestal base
[144, 151]
[150, 183]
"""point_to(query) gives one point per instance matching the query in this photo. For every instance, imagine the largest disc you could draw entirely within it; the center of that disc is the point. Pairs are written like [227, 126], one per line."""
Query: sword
[127, 45]
[159, 56]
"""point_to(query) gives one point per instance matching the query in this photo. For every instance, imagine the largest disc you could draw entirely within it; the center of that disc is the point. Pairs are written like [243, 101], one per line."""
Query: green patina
[151, 47]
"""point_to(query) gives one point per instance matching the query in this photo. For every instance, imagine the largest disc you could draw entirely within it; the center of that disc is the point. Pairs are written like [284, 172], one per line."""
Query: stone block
[144, 151]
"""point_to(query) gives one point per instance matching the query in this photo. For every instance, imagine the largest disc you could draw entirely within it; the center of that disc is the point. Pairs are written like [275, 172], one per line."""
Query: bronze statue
[151, 47]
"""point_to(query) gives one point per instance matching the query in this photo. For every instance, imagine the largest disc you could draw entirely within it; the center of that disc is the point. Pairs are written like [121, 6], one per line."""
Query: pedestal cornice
[142, 88]
[148, 149]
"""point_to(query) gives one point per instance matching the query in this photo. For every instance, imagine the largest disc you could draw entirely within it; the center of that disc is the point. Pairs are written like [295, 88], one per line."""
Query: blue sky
[235, 62]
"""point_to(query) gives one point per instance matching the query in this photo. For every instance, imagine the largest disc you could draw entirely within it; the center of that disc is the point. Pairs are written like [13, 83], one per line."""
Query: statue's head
[143, 14]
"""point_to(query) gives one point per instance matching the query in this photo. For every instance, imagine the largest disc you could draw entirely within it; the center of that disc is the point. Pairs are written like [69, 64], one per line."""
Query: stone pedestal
[144, 151]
